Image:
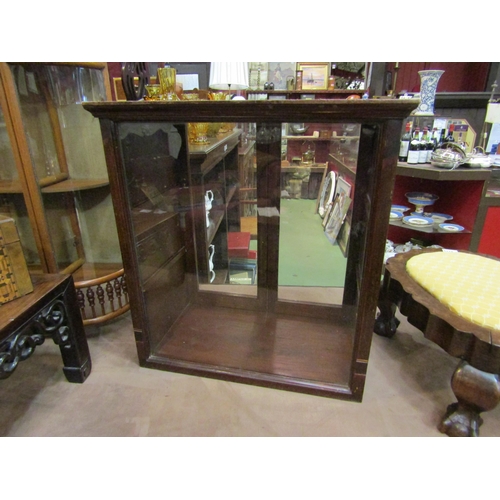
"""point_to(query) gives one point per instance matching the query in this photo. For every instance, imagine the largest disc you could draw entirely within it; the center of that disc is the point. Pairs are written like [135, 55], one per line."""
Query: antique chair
[453, 297]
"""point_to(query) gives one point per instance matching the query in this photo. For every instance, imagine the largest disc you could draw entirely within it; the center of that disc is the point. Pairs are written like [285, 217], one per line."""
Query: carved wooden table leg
[50, 311]
[476, 391]
[386, 322]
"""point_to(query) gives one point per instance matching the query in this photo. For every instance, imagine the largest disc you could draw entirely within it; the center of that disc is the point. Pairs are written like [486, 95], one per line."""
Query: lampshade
[493, 113]
[228, 75]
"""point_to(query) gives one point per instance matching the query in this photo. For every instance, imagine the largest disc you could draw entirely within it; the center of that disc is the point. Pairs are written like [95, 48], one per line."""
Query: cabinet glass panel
[68, 161]
[315, 211]
[12, 202]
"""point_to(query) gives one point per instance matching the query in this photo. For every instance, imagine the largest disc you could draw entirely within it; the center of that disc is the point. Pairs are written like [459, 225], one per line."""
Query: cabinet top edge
[248, 111]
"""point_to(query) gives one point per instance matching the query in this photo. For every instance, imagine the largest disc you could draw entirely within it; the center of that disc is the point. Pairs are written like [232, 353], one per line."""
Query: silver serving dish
[477, 159]
[450, 156]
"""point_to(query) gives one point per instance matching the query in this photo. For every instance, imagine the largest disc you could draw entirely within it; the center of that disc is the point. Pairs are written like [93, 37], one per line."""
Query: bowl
[421, 199]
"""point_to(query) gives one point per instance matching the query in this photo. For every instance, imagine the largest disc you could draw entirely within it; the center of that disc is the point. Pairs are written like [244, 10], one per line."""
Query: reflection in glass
[316, 198]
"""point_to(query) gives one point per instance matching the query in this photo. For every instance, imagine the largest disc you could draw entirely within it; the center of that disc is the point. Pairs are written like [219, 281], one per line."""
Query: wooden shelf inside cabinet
[343, 168]
[10, 186]
[204, 157]
[426, 171]
[426, 229]
[75, 185]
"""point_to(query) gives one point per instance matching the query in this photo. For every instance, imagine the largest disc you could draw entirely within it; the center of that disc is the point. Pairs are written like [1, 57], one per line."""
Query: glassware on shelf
[167, 78]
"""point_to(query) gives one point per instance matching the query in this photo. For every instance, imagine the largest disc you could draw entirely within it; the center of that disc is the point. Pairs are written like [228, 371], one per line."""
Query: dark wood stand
[476, 381]
[50, 311]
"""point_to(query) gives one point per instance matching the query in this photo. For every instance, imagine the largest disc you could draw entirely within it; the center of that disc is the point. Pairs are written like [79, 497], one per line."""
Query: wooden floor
[308, 355]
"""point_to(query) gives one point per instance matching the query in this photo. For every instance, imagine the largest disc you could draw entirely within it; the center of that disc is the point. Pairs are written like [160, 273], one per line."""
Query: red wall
[490, 237]
[457, 76]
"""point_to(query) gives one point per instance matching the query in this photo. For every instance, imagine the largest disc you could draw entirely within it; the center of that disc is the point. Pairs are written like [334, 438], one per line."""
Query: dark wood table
[50, 311]
[476, 381]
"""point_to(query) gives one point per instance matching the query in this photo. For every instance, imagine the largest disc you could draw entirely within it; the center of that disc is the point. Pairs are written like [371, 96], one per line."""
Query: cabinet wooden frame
[381, 122]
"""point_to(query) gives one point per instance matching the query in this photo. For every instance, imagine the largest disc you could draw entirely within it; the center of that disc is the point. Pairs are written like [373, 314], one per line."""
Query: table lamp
[228, 76]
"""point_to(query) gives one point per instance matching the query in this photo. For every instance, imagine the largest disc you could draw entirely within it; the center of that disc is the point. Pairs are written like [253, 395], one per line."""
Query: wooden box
[15, 280]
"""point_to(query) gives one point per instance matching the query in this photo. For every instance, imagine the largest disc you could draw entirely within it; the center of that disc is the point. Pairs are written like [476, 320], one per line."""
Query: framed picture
[336, 217]
[342, 186]
[343, 237]
[194, 74]
[314, 75]
[279, 72]
[258, 75]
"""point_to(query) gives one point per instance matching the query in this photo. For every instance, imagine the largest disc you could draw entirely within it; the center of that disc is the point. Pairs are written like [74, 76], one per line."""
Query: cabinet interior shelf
[442, 174]
[68, 185]
[343, 168]
[10, 186]
[75, 185]
[319, 139]
[426, 229]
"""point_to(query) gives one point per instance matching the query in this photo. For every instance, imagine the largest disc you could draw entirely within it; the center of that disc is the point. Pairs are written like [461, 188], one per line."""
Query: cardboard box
[15, 280]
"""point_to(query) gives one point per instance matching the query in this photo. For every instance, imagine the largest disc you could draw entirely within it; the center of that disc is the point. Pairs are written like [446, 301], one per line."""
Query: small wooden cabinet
[244, 333]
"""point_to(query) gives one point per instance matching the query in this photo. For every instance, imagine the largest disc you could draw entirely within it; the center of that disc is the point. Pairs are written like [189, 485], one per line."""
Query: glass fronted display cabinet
[53, 179]
[209, 297]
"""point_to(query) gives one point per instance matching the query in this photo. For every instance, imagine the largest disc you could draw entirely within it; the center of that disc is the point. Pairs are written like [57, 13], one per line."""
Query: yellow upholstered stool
[469, 284]
[453, 297]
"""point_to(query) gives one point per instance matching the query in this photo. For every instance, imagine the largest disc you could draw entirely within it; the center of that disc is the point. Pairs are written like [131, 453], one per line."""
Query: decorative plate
[451, 228]
[399, 208]
[395, 215]
[418, 221]
[441, 217]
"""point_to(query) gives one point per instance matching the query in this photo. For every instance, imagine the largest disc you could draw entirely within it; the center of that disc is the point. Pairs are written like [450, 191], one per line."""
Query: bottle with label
[449, 137]
[414, 148]
[422, 154]
[405, 143]
[431, 144]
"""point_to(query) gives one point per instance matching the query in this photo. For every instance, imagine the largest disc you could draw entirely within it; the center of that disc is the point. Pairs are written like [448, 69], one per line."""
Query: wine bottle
[422, 154]
[414, 148]
[405, 143]
[431, 144]
[449, 137]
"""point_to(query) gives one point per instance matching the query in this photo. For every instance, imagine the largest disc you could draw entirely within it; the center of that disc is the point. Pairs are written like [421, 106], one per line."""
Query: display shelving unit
[222, 332]
[54, 183]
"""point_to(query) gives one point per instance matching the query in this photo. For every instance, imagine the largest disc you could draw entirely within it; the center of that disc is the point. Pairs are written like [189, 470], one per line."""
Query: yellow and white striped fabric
[468, 284]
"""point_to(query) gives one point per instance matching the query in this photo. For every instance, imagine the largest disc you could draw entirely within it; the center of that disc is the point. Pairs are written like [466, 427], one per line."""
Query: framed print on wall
[279, 72]
[314, 75]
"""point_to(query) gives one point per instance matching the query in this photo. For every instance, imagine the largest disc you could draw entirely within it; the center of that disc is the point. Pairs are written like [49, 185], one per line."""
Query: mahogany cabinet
[252, 333]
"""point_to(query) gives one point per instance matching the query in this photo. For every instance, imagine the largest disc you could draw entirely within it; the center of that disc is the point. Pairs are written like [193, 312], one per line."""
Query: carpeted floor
[306, 256]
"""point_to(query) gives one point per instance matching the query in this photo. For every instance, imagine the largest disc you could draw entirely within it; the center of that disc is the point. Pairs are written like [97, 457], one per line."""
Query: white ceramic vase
[211, 251]
[428, 85]
[209, 197]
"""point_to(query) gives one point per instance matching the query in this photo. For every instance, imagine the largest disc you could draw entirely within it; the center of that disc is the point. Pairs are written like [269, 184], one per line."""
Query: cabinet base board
[269, 350]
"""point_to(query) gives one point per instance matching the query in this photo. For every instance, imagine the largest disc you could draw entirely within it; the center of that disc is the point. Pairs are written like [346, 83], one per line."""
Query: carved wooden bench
[457, 330]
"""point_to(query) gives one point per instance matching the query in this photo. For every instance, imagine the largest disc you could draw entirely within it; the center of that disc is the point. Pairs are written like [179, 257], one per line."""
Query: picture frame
[279, 72]
[314, 75]
[342, 186]
[336, 217]
[343, 236]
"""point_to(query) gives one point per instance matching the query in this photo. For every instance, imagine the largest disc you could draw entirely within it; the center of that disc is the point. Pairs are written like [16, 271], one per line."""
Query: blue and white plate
[418, 220]
[395, 215]
[451, 228]
[441, 217]
[399, 208]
